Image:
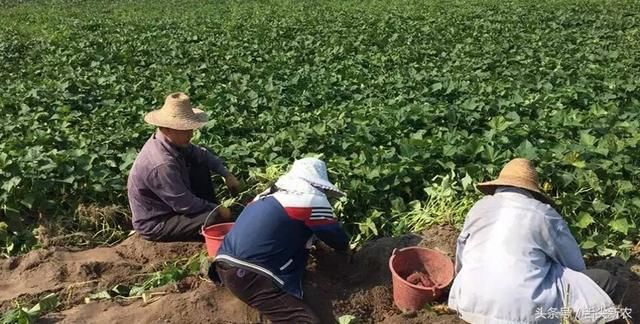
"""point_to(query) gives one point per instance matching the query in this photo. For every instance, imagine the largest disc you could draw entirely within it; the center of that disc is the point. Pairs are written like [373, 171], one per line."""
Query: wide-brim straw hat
[519, 173]
[177, 113]
[314, 172]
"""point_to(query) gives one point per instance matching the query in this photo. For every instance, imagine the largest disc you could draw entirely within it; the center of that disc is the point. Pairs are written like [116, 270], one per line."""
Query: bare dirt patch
[73, 274]
[334, 284]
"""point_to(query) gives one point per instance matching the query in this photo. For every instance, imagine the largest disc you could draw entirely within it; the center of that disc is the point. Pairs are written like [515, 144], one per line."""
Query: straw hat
[177, 113]
[312, 171]
[518, 173]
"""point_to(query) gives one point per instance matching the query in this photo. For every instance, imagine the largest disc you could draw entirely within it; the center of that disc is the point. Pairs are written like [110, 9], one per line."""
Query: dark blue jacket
[271, 234]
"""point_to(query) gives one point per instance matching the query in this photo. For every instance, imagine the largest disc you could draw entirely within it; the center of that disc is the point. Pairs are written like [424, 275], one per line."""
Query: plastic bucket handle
[206, 219]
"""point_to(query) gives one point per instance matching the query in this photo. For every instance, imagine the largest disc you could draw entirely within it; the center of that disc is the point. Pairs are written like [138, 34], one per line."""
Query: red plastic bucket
[404, 262]
[213, 236]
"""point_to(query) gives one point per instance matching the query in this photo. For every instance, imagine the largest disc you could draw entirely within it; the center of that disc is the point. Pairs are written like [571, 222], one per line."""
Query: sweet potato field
[410, 103]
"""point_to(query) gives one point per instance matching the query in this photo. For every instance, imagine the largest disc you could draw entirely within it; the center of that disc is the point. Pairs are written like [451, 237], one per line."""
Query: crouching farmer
[516, 259]
[263, 257]
[169, 187]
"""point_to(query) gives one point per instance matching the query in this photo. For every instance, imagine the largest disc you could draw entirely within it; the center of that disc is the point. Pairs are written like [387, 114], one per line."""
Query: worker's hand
[232, 183]
[224, 213]
[320, 248]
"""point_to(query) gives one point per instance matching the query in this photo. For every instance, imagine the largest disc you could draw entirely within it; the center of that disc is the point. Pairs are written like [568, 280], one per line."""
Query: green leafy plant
[26, 315]
[396, 95]
[169, 273]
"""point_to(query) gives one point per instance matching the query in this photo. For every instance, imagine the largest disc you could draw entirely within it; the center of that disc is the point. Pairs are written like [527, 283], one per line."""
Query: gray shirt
[159, 182]
[515, 258]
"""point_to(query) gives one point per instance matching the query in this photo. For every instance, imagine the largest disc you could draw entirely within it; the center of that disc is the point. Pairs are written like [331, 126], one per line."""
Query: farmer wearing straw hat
[517, 261]
[169, 186]
[263, 257]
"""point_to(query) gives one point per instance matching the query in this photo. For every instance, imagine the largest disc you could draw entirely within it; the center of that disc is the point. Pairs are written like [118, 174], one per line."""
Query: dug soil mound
[334, 284]
[74, 274]
[442, 238]
[203, 303]
[361, 286]
[628, 276]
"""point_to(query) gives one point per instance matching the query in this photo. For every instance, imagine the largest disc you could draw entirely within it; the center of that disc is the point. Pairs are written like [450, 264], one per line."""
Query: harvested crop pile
[420, 278]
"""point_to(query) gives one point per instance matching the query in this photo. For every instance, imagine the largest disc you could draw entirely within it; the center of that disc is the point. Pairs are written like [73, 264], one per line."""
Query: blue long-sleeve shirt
[515, 258]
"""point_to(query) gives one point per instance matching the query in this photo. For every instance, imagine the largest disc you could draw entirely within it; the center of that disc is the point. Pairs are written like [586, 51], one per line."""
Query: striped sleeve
[317, 214]
[321, 215]
[326, 227]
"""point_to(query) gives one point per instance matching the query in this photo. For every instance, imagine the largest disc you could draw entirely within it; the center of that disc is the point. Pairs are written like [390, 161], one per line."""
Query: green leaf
[45, 304]
[372, 226]
[28, 201]
[49, 302]
[588, 244]
[3, 231]
[527, 150]
[136, 291]
[10, 316]
[398, 204]
[513, 117]
[10, 184]
[101, 295]
[625, 254]
[620, 225]
[606, 252]
[347, 319]
[69, 179]
[587, 139]
[466, 182]
[584, 220]
[599, 206]
[499, 124]
[16, 315]
[579, 164]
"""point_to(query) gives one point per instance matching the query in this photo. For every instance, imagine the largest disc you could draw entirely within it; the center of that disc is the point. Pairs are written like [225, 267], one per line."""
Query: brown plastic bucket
[214, 235]
[404, 262]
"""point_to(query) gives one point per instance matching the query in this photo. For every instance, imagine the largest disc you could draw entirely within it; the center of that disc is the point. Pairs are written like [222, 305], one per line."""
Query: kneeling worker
[263, 257]
[170, 189]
